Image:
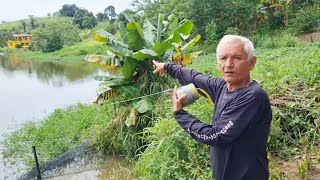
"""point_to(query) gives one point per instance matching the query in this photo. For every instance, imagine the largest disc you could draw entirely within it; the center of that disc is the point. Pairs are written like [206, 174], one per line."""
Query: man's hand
[177, 101]
[158, 68]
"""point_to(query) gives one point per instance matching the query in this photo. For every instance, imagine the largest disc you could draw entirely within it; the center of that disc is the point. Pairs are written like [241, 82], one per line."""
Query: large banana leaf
[191, 43]
[128, 91]
[129, 67]
[161, 47]
[175, 37]
[149, 32]
[144, 54]
[185, 29]
[104, 60]
[104, 95]
[123, 32]
[143, 105]
[159, 30]
[118, 50]
[113, 82]
[128, 16]
[104, 36]
[135, 36]
[173, 22]
[183, 59]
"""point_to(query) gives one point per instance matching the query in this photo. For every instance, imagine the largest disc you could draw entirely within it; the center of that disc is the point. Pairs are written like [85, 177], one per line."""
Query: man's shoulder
[258, 90]
[253, 91]
[258, 93]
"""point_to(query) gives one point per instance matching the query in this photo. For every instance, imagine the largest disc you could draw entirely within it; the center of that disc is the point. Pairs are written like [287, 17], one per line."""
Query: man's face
[233, 63]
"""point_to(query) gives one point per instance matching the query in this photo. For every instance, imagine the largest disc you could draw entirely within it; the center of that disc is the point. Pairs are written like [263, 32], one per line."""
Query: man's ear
[252, 62]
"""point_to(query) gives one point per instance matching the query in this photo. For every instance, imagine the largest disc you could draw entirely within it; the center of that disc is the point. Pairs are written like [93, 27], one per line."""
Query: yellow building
[20, 39]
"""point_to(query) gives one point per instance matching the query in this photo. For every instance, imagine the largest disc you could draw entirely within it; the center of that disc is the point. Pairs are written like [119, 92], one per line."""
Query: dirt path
[300, 169]
[310, 37]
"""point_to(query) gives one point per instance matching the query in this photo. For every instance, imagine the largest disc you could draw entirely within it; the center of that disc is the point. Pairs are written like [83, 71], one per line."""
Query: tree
[68, 10]
[55, 34]
[32, 24]
[4, 37]
[131, 54]
[148, 8]
[110, 13]
[101, 17]
[85, 19]
[23, 25]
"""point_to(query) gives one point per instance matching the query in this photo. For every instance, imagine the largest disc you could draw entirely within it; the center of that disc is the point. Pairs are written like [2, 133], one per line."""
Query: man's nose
[229, 62]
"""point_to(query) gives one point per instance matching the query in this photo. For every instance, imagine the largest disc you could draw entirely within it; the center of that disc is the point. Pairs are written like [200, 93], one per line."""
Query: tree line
[212, 18]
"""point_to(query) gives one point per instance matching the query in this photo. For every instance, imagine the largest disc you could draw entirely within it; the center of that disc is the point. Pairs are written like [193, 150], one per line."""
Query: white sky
[11, 10]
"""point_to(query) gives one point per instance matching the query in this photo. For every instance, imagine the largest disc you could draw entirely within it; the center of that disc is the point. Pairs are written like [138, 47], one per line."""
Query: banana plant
[130, 55]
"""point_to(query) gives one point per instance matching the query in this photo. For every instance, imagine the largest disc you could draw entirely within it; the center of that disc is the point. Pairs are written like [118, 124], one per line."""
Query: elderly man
[241, 116]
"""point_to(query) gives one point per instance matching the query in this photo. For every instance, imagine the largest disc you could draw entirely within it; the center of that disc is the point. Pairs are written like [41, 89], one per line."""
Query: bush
[288, 40]
[306, 20]
[18, 46]
[211, 34]
[232, 30]
[280, 40]
[55, 35]
[172, 153]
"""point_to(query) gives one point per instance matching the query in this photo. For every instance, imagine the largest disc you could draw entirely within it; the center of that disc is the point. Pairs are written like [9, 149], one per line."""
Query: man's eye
[238, 58]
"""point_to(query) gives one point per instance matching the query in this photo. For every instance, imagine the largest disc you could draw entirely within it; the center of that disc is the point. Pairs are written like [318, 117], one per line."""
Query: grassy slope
[39, 21]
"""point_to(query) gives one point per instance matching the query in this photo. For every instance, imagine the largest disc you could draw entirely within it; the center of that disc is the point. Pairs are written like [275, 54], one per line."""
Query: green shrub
[172, 154]
[282, 39]
[232, 30]
[211, 34]
[55, 35]
[288, 40]
[18, 46]
[306, 20]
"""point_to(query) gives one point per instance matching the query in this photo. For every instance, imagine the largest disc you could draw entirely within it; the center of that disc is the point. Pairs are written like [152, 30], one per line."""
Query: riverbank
[75, 52]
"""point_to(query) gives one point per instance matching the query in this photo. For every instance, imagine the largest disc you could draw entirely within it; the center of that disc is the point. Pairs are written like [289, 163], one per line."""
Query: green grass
[39, 21]
[55, 134]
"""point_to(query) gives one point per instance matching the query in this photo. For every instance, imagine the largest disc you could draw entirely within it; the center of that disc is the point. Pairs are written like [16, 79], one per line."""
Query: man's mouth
[228, 72]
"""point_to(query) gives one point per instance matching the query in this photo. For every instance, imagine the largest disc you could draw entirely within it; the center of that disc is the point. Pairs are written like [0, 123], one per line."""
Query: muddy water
[31, 90]
[113, 168]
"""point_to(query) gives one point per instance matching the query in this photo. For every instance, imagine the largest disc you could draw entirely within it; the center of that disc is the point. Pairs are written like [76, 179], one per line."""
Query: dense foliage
[55, 35]
[212, 18]
[129, 57]
[248, 17]
[84, 19]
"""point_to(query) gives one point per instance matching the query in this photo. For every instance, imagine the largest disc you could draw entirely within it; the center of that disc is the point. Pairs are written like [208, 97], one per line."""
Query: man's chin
[228, 79]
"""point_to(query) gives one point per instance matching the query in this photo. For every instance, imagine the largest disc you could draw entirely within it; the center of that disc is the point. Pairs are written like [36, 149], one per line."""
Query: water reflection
[54, 73]
[30, 90]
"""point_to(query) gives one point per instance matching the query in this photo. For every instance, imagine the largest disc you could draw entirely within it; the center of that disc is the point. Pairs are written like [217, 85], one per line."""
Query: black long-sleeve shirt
[240, 126]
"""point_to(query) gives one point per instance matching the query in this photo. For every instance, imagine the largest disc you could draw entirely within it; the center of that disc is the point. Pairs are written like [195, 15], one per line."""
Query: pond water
[30, 90]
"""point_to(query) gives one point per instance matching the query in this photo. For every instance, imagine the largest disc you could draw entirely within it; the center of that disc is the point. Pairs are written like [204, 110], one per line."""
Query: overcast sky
[11, 10]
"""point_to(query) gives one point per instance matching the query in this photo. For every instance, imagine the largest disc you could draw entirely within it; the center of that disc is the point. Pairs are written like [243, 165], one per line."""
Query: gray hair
[247, 44]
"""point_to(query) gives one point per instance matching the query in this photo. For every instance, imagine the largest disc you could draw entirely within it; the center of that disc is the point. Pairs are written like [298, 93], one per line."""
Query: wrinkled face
[233, 63]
